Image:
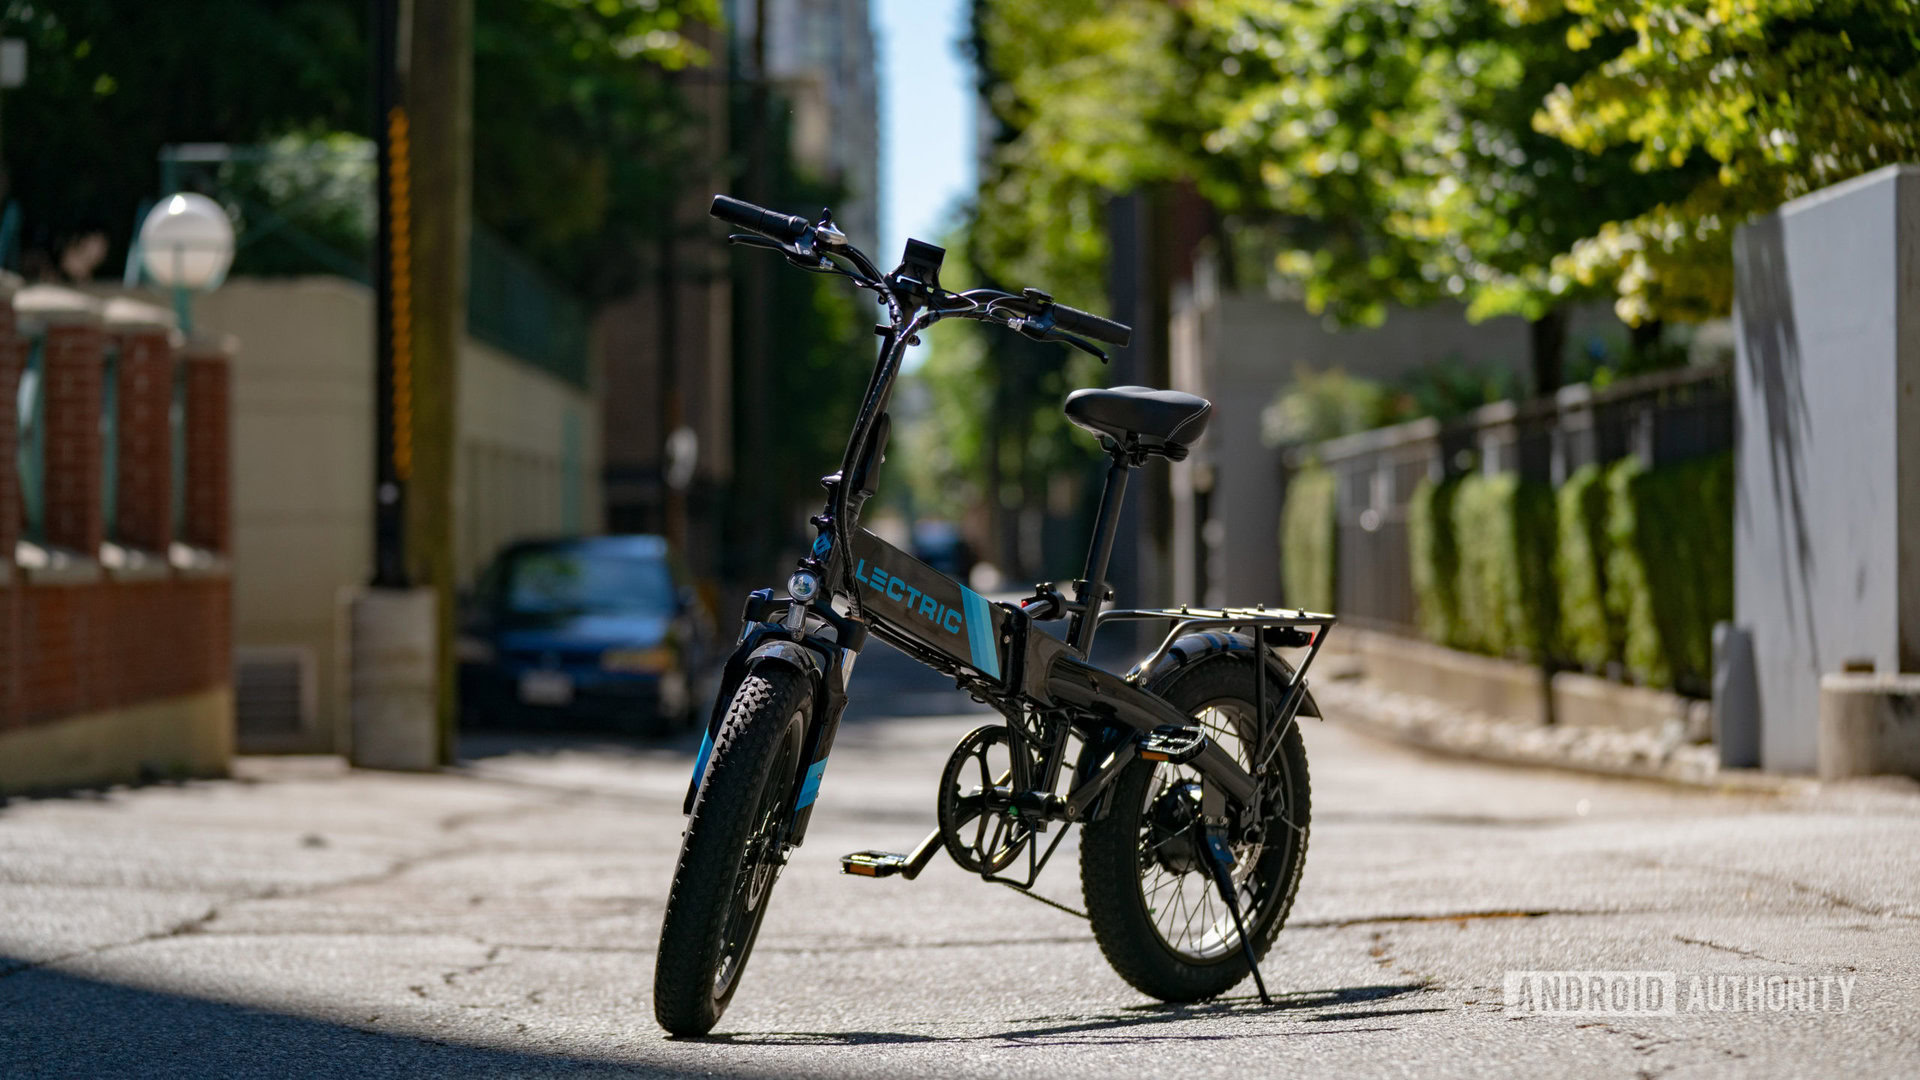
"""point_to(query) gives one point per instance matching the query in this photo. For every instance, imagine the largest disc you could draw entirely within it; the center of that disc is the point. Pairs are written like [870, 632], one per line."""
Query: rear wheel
[731, 854]
[1155, 909]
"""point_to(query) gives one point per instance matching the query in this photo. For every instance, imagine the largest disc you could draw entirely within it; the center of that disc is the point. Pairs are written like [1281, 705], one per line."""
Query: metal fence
[1660, 418]
[516, 308]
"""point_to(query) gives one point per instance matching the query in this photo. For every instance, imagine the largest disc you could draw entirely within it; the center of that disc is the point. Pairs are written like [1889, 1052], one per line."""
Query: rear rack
[1186, 618]
[1262, 621]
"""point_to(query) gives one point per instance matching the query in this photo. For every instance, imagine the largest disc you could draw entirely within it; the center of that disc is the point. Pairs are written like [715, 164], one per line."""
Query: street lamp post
[186, 245]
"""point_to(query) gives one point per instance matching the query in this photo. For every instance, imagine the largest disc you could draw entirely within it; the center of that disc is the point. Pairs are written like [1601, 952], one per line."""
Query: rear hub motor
[1174, 835]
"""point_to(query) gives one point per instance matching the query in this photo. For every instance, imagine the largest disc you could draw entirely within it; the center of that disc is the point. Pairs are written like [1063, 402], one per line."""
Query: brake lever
[1082, 344]
[756, 240]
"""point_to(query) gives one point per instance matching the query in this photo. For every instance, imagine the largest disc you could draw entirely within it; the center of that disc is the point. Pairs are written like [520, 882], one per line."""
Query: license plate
[546, 688]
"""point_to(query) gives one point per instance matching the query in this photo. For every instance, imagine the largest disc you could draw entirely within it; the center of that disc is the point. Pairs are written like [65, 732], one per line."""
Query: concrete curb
[1440, 728]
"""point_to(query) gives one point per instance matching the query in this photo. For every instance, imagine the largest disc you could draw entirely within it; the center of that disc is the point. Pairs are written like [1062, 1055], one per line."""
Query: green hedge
[1435, 560]
[1620, 564]
[1670, 568]
[1504, 528]
[1589, 635]
[1308, 539]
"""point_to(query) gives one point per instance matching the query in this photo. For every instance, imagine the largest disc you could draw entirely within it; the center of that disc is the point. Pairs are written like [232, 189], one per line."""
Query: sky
[926, 119]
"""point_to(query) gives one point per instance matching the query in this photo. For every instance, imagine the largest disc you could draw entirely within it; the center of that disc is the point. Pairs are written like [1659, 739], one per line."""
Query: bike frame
[994, 651]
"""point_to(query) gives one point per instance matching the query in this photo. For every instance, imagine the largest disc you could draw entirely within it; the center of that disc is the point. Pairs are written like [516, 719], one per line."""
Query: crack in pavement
[180, 929]
[1734, 949]
[1831, 897]
[1455, 916]
[200, 923]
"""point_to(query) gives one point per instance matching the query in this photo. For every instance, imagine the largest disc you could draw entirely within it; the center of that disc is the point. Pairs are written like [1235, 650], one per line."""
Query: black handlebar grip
[785, 228]
[1089, 325]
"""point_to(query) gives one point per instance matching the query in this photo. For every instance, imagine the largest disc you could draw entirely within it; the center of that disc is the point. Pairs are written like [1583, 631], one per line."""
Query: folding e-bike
[1187, 775]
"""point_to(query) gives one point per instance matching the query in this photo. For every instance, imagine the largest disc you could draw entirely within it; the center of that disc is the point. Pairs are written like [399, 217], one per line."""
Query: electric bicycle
[1187, 773]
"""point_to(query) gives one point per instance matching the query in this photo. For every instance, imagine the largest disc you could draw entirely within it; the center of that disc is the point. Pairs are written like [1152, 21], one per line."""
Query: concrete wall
[528, 465]
[529, 457]
[1239, 350]
[1826, 556]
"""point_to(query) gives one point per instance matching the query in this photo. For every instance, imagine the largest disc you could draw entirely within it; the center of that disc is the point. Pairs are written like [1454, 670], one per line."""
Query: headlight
[803, 586]
[472, 650]
[654, 660]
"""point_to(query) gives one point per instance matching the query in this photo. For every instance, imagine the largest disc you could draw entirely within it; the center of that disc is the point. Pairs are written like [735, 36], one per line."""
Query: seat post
[1105, 527]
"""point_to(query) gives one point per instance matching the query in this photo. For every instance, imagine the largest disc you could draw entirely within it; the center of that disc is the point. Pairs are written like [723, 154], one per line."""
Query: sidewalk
[1446, 728]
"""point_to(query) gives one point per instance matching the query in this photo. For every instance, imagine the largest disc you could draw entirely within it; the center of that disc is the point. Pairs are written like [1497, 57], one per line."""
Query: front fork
[767, 638]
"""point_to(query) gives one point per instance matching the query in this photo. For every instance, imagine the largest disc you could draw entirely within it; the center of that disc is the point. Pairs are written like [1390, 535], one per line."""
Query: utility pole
[440, 104]
[392, 282]
[398, 638]
[754, 491]
[402, 626]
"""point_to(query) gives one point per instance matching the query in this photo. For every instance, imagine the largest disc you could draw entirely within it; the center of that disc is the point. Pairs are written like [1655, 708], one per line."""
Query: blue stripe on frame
[986, 654]
[810, 787]
[706, 751]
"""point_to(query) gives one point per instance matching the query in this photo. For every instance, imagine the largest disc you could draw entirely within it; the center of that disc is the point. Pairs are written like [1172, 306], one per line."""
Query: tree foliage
[1513, 154]
[111, 83]
[1397, 138]
[1086, 96]
[579, 141]
[576, 134]
[1780, 97]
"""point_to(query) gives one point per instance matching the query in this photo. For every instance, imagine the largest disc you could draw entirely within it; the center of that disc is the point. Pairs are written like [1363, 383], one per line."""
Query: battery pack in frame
[913, 600]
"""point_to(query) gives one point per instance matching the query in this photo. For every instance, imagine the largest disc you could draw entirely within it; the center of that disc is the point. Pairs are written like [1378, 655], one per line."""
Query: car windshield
[573, 581]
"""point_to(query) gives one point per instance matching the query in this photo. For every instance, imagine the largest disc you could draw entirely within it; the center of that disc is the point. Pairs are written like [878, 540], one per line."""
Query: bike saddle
[1158, 421]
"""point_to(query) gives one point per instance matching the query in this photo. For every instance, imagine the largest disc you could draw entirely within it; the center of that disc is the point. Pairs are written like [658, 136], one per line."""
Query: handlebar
[1033, 312]
[1087, 324]
[785, 228]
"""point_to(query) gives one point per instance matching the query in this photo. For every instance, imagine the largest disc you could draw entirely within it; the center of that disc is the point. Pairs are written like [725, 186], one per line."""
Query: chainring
[976, 788]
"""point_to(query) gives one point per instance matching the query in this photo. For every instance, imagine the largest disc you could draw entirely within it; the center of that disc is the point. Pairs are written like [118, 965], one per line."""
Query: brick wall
[72, 360]
[144, 515]
[209, 516]
[78, 637]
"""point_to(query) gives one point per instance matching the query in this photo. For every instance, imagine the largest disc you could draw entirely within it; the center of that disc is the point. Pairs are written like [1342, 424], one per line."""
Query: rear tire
[1136, 895]
[728, 858]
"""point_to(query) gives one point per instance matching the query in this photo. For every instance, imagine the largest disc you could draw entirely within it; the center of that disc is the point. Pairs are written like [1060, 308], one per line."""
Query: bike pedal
[873, 863]
[1172, 743]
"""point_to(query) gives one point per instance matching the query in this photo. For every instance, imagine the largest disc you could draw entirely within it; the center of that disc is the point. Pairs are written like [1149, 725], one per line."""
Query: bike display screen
[914, 600]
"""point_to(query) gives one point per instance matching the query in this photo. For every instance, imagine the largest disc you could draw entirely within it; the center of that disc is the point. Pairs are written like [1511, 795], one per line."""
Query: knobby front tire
[729, 858]
[1155, 911]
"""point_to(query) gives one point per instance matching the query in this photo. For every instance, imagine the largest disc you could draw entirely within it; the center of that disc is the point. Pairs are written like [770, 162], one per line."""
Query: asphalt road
[501, 920]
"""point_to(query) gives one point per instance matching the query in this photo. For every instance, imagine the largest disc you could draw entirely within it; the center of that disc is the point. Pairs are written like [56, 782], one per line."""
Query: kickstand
[1219, 859]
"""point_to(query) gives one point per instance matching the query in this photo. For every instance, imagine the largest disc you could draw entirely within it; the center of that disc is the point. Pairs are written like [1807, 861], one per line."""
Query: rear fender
[1195, 647]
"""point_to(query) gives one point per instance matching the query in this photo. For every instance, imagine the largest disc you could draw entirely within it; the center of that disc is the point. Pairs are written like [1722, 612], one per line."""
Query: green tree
[111, 83]
[579, 136]
[1399, 136]
[1775, 98]
[1389, 144]
[576, 136]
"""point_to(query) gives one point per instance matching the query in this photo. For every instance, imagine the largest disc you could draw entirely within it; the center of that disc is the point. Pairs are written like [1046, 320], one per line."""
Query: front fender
[763, 643]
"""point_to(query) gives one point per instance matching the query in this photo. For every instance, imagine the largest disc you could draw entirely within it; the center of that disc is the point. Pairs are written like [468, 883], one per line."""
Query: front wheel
[1151, 898]
[732, 851]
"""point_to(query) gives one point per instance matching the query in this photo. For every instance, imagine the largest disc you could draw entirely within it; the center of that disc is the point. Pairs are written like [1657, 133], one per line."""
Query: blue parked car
[605, 630]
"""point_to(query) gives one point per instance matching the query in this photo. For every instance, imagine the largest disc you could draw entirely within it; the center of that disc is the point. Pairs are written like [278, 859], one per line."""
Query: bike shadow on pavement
[1138, 1023]
[57, 1025]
